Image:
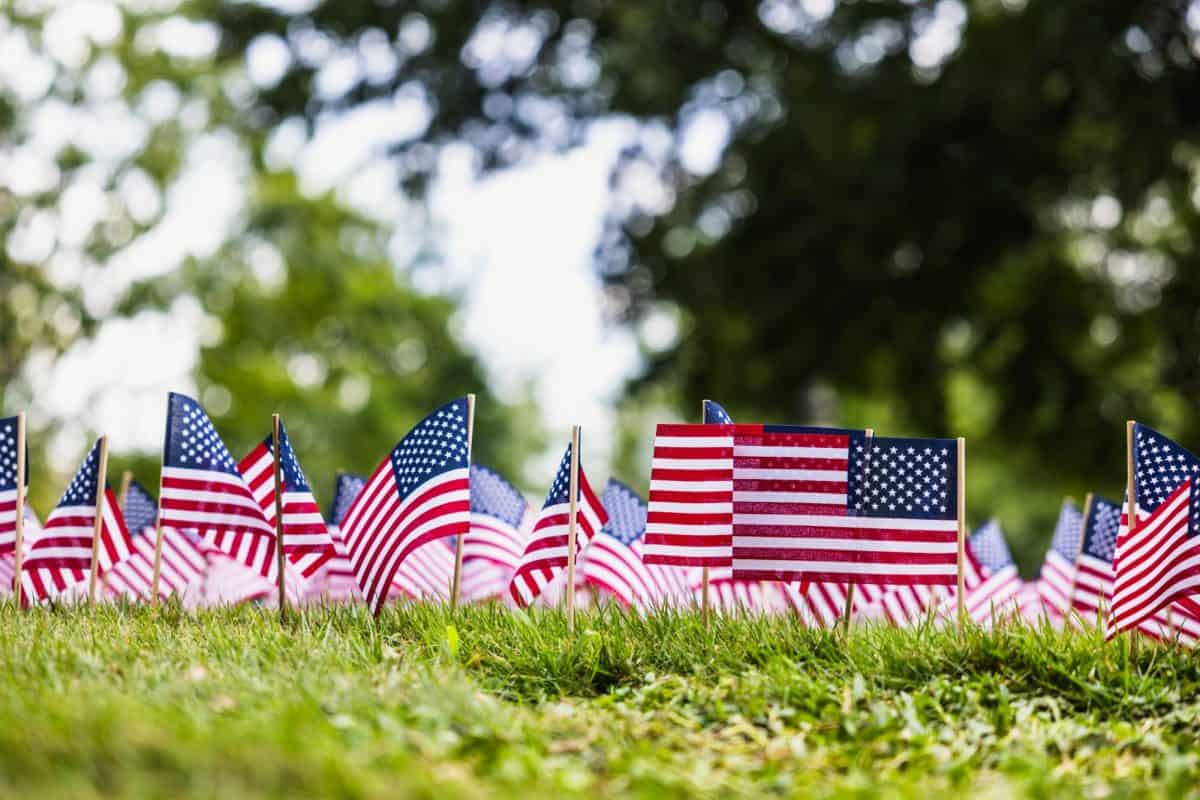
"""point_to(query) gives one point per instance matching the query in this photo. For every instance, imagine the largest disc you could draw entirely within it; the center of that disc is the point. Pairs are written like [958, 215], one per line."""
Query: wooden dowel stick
[849, 610]
[571, 524]
[279, 559]
[123, 493]
[456, 579]
[962, 531]
[19, 543]
[101, 477]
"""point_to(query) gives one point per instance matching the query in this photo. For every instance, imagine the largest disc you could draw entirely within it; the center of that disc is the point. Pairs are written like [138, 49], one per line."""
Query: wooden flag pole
[123, 494]
[1087, 510]
[456, 580]
[849, 610]
[19, 553]
[101, 479]
[1131, 505]
[571, 523]
[279, 560]
[962, 531]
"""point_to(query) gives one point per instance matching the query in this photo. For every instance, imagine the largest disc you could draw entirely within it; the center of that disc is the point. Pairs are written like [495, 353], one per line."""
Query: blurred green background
[951, 218]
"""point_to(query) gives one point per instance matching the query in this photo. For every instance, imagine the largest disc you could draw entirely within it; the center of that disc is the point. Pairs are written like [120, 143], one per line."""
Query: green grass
[144, 702]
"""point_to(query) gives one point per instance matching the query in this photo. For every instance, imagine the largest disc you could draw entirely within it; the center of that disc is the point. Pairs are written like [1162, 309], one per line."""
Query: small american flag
[8, 485]
[203, 490]
[996, 595]
[690, 517]
[306, 542]
[1159, 561]
[1093, 568]
[61, 557]
[837, 506]
[419, 493]
[612, 562]
[546, 552]
[140, 508]
[500, 521]
[1058, 569]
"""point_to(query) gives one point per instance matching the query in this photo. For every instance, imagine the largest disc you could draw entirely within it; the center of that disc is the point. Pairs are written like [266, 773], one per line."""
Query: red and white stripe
[335, 582]
[995, 597]
[182, 564]
[62, 554]
[1054, 584]
[1155, 564]
[614, 568]
[545, 553]
[483, 581]
[427, 572]
[8, 521]
[690, 515]
[381, 528]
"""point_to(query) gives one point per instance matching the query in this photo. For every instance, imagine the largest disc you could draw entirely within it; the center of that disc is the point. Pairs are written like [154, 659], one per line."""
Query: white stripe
[786, 451]
[848, 567]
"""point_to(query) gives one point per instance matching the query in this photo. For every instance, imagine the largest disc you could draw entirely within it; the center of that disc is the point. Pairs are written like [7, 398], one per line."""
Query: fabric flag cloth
[1093, 568]
[203, 490]
[8, 486]
[1058, 568]
[183, 563]
[306, 542]
[997, 592]
[427, 572]
[345, 491]
[838, 506]
[61, 557]
[733, 596]
[546, 552]
[420, 492]
[337, 583]
[714, 414]
[1158, 560]
[8, 562]
[139, 507]
[612, 563]
[500, 520]
[690, 517]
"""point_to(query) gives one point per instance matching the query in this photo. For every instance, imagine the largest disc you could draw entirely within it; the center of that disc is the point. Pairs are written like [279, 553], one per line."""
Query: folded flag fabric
[1058, 568]
[1157, 561]
[8, 485]
[420, 492]
[306, 542]
[62, 554]
[182, 564]
[546, 552]
[997, 592]
[714, 414]
[427, 572]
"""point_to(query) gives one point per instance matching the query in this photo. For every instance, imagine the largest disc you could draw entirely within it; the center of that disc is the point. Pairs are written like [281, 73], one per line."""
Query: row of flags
[823, 523]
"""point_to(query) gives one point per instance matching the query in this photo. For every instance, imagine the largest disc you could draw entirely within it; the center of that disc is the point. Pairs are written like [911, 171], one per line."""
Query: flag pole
[456, 580]
[571, 523]
[279, 561]
[123, 494]
[962, 530]
[849, 610]
[1131, 505]
[1087, 510]
[101, 478]
[18, 557]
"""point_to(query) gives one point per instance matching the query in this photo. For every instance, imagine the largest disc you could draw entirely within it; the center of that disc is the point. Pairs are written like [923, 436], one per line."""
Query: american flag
[306, 542]
[714, 414]
[345, 491]
[337, 582]
[419, 493]
[139, 507]
[203, 490]
[546, 551]
[8, 485]
[996, 594]
[62, 554]
[1058, 569]
[427, 572]
[1093, 568]
[612, 562]
[838, 506]
[492, 551]
[690, 517]
[1158, 561]
[183, 563]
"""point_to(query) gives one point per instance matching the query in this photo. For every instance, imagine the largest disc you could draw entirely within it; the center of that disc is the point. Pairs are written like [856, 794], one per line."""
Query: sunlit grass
[141, 702]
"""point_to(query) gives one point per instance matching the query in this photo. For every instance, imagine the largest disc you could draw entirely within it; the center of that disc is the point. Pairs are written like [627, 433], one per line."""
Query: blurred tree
[969, 218]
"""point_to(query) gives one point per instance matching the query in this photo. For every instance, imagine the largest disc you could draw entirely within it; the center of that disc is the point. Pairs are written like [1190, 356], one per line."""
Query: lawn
[156, 702]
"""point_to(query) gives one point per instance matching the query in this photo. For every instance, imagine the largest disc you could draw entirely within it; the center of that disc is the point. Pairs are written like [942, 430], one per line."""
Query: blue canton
[192, 441]
[1100, 529]
[905, 478]
[989, 547]
[289, 466]
[82, 489]
[560, 490]
[714, 414]
[1068, 532]
[8, 455]
[140, 510]
[496, 497]
[626, 512]
[1160, 466]
[436, 445]
[345, 492]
